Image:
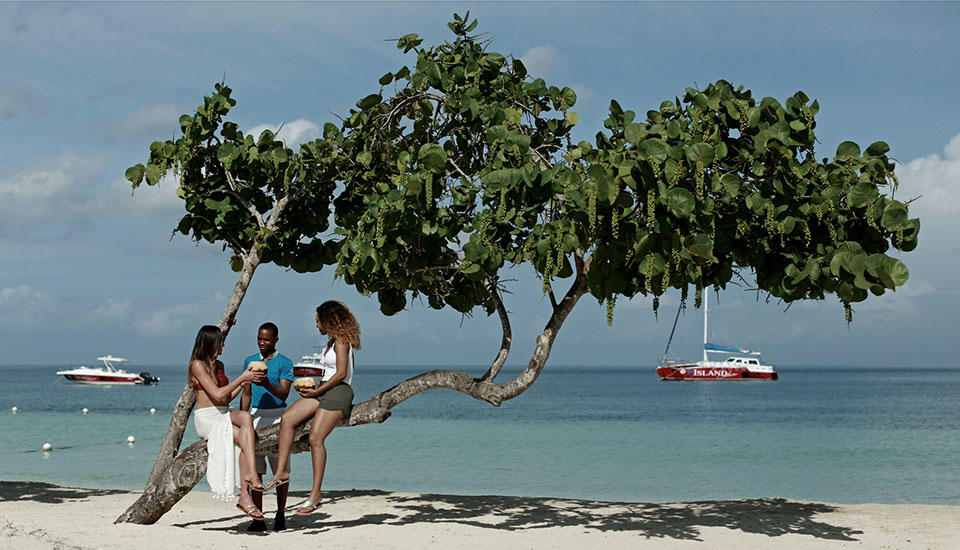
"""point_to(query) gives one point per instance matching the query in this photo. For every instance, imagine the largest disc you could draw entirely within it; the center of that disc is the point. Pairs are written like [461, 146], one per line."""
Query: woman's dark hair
[339, 323]
[205, 348]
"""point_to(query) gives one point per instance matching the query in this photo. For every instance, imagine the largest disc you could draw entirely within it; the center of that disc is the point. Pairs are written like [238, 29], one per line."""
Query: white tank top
[329, 364]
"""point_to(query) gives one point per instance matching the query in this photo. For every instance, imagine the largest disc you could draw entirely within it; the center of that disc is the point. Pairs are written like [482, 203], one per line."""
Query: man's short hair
[271, 327]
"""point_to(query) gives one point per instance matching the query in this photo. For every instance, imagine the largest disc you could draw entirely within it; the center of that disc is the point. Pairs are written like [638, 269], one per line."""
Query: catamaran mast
[663, 360]
[706, 300]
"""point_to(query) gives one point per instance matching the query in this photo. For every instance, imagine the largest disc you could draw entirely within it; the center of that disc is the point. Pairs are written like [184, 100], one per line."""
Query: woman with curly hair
[327, 404]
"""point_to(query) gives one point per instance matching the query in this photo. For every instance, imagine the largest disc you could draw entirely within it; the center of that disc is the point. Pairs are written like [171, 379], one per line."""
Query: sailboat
[745, 365]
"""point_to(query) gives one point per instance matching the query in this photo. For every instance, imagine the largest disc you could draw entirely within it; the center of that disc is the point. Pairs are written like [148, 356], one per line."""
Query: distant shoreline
[32, 517]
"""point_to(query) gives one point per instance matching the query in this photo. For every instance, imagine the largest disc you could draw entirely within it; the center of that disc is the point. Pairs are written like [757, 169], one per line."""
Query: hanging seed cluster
[502, 207]
[592, 209]
[676, 176]
[698, 174]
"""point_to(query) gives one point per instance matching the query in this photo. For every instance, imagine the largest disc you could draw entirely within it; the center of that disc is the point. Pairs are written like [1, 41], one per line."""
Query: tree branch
[233, 192]
[507, 339]
[377, 408]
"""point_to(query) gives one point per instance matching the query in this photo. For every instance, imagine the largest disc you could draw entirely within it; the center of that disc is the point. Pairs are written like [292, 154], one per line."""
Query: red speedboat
[107, 374]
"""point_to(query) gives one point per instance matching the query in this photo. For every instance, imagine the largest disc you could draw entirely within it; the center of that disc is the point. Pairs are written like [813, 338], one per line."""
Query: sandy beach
[44, 516]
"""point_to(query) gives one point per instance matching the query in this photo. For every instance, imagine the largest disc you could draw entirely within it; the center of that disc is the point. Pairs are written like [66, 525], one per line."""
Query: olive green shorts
[337, 398]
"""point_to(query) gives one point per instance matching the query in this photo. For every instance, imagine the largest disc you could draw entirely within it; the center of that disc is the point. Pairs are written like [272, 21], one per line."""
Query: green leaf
[680, 202]
[433, 157]
[894, 216]
[654, 148]
[369, 101]
[876, 149]
[568, 98]
[386, 79]
[634, 133]
[518, 66]
[702, 152]
[848, 149]
[862, 194]
[897, 270]
[571, 118]
[701, 247]
[365, 158]
[135, 174]
[153, 174]
[731, 184]
[496, 133]
[850, 293]
[780, 132]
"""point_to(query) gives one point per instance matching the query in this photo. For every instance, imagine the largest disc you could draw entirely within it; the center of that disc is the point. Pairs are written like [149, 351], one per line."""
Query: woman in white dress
[327, 404]
[229, 433]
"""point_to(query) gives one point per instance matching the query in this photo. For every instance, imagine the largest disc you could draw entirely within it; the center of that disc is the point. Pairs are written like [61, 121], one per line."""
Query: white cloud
[120, 199]
[936, 179]
[543, 61]
[112, 309]
[68, 190]
[168, 320]
[290, 133]
[586, 98]
[49, 190]
[21, 306]
[150, 121]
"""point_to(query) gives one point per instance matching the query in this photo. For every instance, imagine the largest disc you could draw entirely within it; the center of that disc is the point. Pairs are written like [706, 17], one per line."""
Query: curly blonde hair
[339, 322]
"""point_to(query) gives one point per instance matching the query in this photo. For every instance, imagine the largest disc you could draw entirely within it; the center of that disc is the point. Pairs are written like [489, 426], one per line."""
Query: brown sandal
[248, 510]
[250, 483]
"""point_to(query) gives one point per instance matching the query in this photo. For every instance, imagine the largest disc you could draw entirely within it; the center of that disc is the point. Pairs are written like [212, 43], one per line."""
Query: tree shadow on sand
[47, 493]
[766, 516]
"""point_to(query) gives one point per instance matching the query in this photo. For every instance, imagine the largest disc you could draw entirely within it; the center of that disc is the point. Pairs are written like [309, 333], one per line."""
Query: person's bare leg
[245, 437]
[282, 498]
[280, 520]
[324, 422]
[301, 410]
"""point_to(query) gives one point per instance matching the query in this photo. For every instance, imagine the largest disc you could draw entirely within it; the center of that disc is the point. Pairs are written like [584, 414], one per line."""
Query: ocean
[842, 435]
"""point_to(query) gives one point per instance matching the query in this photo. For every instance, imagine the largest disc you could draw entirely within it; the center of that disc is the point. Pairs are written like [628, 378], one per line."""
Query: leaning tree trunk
[181, 472]
[174, 474]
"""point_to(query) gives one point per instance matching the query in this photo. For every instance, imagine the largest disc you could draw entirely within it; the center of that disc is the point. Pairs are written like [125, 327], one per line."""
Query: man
[267, 401]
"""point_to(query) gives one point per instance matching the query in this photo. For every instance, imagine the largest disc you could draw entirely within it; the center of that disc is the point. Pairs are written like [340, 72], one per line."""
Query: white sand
[42, 516]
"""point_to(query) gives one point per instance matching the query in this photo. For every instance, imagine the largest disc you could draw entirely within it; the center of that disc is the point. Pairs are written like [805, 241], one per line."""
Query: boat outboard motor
[147, 379]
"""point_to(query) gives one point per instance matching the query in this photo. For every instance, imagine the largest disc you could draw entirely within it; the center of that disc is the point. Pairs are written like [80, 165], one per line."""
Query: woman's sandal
[248, 510]
[250, 483]
[307, 508]
[274, 483]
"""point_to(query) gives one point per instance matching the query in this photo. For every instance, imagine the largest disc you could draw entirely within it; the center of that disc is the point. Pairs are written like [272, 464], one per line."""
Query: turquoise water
[842, 435]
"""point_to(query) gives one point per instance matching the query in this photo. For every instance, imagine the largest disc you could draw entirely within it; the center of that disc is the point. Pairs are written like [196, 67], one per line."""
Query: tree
[462, 165]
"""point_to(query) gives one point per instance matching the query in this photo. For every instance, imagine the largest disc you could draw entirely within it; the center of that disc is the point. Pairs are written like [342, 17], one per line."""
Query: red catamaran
[734, 368]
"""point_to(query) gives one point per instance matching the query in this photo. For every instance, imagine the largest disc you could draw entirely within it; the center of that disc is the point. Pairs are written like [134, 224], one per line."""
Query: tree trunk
[174, 474]
[182, 473]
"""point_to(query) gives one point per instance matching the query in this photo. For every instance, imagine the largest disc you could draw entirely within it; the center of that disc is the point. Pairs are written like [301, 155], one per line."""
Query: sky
[88, 268]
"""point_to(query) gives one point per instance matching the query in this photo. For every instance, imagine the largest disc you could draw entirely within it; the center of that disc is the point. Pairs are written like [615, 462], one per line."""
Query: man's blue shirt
[279, 367]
